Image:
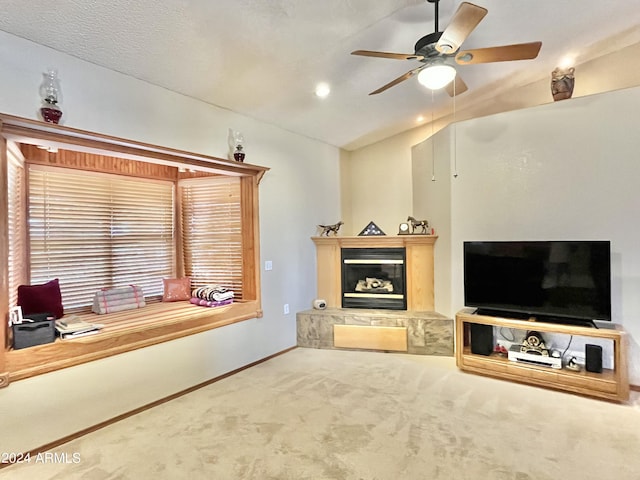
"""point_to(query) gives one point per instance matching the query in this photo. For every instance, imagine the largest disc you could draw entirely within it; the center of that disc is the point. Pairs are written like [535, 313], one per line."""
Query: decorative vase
[239, 155]
[562, 82]
[50, 93]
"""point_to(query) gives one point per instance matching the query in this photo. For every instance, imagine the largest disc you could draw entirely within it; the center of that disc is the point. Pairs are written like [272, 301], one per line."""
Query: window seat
[126, 331]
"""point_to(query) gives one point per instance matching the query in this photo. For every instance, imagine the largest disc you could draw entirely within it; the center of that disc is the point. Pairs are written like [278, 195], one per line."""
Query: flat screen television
[562, 281]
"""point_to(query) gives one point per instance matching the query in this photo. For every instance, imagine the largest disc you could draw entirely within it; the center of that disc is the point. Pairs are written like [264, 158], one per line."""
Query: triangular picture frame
[371, 229]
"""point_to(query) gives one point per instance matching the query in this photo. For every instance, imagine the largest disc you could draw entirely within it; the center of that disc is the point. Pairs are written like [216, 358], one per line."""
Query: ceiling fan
[439, 51]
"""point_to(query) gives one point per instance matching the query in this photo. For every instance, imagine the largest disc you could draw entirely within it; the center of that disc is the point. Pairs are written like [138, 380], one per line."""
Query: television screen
[556, 280]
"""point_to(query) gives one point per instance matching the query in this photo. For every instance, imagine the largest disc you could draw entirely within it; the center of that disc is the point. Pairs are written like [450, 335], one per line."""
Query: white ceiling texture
[263, 58]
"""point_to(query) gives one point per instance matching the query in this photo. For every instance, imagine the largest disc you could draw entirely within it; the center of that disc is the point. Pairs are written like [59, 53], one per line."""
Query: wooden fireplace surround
[419, 266]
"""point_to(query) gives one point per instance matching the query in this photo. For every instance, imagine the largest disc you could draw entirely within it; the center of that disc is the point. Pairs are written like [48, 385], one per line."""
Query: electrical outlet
[286, 309]
[268, 265]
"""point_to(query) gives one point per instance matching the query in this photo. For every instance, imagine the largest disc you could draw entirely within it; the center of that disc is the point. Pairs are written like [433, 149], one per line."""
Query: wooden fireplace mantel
[419, 267]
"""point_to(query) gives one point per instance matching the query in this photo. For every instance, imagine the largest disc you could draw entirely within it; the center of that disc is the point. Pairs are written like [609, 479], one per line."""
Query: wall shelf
[611, 384]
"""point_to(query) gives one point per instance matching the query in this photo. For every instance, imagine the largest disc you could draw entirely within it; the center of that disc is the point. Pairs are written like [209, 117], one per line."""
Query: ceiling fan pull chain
[455, 131]
[433, 148]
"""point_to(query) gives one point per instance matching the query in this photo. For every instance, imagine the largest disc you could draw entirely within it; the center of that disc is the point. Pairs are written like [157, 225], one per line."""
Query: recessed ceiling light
[567, 61]
[420, 119]
[322, 90]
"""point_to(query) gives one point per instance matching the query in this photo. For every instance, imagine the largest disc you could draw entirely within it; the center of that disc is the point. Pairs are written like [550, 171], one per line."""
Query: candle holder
[50, 93]
[236, 145]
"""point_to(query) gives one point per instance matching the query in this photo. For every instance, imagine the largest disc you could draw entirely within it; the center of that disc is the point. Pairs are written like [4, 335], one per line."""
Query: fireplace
[374, 278]
[418, 267]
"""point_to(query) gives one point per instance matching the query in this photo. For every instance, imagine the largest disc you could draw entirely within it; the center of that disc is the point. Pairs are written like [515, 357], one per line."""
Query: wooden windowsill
[126, 331]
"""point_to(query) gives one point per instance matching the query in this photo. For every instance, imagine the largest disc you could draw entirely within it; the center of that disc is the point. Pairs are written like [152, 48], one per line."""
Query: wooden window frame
[125, 335]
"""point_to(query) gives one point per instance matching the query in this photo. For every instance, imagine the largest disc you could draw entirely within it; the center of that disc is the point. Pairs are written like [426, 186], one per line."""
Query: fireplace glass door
[374, 278]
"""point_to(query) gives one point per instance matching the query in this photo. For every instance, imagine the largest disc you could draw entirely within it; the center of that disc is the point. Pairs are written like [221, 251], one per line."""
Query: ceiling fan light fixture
[323, 90]
[437, 76]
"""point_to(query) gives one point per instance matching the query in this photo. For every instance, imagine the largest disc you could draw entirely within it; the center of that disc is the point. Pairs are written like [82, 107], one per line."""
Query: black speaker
[593, 360]
[481, 339]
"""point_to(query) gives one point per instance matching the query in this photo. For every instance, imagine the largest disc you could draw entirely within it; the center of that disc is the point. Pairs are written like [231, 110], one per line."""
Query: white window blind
[94, 230]
[17, 222]
[212, 232]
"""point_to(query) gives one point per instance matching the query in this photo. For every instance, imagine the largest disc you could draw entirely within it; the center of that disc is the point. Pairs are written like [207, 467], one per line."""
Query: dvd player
[516, 355]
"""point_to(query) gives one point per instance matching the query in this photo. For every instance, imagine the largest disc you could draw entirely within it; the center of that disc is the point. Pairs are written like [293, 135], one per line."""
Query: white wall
[431, 173]
[565, 170]
[300, 190]
[379, 180]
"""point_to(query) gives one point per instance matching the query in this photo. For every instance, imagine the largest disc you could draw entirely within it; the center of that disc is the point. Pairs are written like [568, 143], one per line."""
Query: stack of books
[73, 327]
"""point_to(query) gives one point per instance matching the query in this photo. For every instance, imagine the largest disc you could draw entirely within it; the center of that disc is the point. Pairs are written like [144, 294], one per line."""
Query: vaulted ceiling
[264, 58]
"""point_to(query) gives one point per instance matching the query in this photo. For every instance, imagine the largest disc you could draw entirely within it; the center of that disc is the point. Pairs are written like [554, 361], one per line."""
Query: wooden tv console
[611, 384]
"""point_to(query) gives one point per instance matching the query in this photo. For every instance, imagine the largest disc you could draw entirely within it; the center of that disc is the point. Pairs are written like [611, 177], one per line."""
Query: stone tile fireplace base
[420, 333]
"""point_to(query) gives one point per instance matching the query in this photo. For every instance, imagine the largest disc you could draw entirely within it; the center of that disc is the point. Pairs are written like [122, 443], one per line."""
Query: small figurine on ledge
[422, 224]
[327, 229]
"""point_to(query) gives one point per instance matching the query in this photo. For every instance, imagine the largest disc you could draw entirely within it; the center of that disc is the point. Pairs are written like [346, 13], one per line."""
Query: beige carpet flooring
[346, 415]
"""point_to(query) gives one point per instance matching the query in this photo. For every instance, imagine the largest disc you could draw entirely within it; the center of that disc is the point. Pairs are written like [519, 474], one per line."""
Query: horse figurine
[423, 224]
[327, 229]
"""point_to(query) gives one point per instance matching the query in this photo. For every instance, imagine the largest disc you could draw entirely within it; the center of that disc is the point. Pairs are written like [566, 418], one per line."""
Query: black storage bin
[29, 334]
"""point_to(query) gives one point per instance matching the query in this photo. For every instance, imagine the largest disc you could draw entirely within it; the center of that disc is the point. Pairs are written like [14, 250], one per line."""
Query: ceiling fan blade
[393, 56]
[398, 80]
[520, 51]
[461, 87]
[466, 18]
